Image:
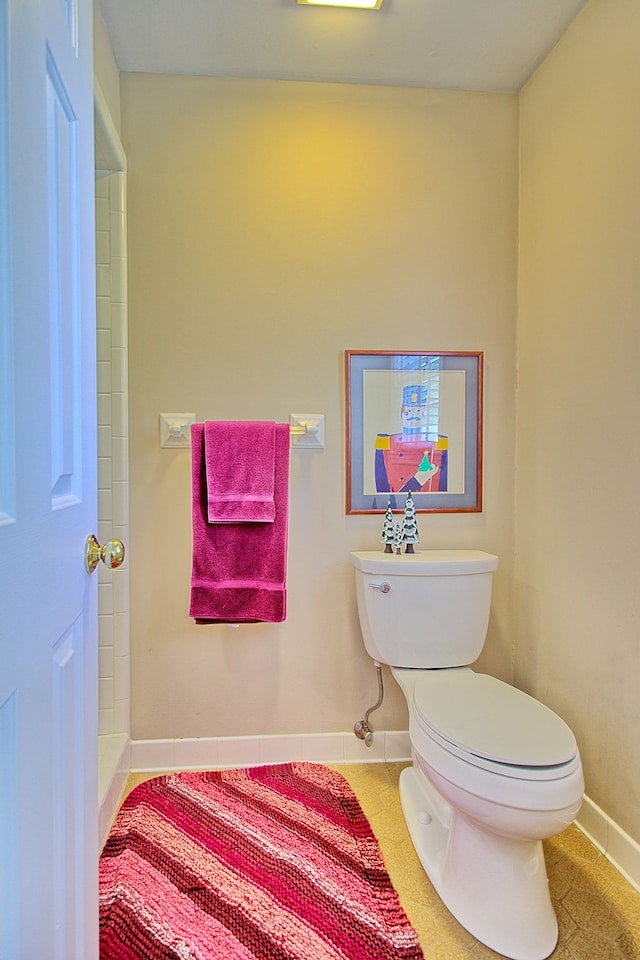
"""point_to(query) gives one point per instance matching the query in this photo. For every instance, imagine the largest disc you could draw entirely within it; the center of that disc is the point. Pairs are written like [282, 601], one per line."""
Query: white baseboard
[389, 746]
[218, 752]
[616, 845]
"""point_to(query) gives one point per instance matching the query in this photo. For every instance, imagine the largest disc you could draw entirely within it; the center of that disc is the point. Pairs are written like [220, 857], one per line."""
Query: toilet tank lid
[425, 563]
[491, 719]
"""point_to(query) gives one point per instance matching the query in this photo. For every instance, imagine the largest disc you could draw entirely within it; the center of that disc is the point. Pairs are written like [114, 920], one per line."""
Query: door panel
[63, 175]
[8, 833]
[7, 416]
[48, 613]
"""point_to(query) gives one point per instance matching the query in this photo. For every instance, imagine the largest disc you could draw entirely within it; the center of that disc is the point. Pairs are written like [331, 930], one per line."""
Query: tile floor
[598, 910]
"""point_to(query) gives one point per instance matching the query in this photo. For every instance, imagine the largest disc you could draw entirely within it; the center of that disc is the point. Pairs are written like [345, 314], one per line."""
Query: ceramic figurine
[410, 533]
[388, 533]
[398, 537]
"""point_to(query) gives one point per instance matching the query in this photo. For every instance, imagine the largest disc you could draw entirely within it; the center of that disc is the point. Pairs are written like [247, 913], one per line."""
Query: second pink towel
[240, 467]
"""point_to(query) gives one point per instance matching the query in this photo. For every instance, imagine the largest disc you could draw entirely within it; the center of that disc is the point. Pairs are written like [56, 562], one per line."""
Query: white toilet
[494, 771]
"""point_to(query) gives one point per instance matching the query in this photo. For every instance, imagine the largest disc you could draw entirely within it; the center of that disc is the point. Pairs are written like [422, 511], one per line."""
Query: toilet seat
[492, 725]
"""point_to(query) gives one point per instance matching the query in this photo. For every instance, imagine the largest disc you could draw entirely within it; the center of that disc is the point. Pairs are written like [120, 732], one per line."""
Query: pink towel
[240, 459]
[239, 569]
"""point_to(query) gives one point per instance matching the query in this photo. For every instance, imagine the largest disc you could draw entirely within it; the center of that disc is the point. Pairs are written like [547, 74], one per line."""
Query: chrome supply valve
[362, 729]
[364, 732]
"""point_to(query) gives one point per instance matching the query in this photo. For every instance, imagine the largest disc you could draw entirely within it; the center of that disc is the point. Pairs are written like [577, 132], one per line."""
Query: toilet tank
[428, 609]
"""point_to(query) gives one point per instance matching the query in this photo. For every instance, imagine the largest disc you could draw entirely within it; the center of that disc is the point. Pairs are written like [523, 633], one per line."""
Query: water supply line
[362, 729]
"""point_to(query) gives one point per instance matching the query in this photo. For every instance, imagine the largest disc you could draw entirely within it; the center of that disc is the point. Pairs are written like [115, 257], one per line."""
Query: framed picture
[414, 424]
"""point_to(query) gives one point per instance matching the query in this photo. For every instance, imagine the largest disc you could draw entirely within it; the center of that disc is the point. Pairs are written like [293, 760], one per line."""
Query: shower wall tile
[102, 184]
[105, 445]
[105, 469]
[104, 533]
[105, 661]
[103, 342]
[118, 415]
[121, 502]
[118, 277]
[117, 192]
[121, 679]
[103, 313]
[103, 279]
[105, 513]
[103, 214]
[104, 376]
[118, 370]
[118, 324]
[122, 715]
[116, 244]
[113, 488]
[105, 722]
[120, 592]
[105, 597]
[106, 651]
[105, 692]
[103, 246]
[104, 410]
[121, 532]
[121, 628]
[120, 459]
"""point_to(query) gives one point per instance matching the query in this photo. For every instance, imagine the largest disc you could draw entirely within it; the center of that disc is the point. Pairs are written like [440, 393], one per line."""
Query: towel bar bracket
[175, 429]
[307, 430]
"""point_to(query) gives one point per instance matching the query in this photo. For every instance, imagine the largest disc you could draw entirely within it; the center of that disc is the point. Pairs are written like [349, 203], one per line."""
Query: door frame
[113, 479]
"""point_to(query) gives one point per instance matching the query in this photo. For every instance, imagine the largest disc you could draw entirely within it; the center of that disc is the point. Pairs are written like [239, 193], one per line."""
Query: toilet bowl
[494, 771]
[477, 820]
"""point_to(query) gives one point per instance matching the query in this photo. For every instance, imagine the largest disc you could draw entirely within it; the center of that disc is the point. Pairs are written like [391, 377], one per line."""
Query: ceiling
[460, 44]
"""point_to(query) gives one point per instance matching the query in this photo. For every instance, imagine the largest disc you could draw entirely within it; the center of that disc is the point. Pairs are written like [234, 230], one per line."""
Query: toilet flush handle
[382, 587]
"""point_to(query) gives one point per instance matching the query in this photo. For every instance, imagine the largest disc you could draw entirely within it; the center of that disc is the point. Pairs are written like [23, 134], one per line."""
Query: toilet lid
[490, 719]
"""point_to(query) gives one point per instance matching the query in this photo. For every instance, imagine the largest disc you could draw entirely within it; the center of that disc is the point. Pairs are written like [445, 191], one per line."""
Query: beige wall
[272, 226]
[578, 505]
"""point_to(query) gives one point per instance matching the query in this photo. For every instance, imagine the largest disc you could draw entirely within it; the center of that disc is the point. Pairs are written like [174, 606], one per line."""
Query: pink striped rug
[270, 863]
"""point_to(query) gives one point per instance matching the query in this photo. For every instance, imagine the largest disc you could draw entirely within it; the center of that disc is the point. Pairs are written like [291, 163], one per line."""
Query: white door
[48, 615]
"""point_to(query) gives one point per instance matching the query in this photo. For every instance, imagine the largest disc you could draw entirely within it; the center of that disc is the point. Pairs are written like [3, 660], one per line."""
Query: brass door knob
[111, 554]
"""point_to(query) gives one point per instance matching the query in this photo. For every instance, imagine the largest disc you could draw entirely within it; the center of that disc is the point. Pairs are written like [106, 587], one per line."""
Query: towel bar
[307, 430]
[303, 428]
